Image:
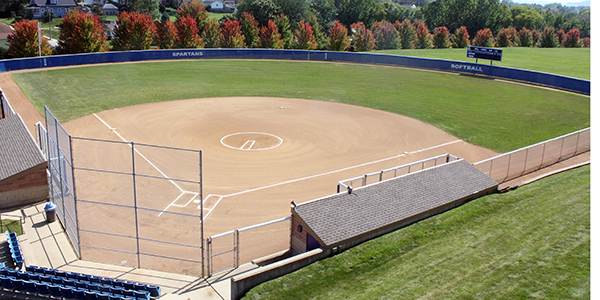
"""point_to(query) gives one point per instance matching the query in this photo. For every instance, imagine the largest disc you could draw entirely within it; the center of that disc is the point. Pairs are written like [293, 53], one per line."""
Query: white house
[58, 7]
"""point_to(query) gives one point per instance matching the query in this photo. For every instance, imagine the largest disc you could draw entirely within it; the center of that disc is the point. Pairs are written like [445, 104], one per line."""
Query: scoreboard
[484, 53]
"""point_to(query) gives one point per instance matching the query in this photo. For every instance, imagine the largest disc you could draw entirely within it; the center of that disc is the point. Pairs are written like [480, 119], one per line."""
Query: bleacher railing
[5, 107]
[394, 172]
[517, 163]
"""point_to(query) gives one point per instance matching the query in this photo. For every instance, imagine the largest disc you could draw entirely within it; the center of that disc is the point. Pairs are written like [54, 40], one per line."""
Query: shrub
[441, 38]
[386, 36]
[362, 38]
[165, 34]
[249, 27]
[571, 39]
[187, 33]
[537, 36]
[231, 35]
[525, 37]
[195, 10]
[560, 35]
[81, 32]
[406, 30]
[484, 38]
[269, 37]
[548, 38]
[460, 38]
[507, 37]
[423, 40]
[211, 34]
[284, 28]
[304, 37]
[133, 32]
[586, 42]
[320, 37]
[338, 37]
[23, 41]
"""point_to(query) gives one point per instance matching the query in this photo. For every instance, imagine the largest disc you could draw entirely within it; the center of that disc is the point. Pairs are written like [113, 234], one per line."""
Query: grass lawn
[11, 226]
[533, 242]
[496, 115]
[572, 62]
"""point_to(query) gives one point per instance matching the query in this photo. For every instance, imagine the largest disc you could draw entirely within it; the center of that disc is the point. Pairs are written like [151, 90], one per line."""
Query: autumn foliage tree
[304, 37]
[187, 33]
[548, 38]
[81, 32]
[571, 39]
[196, 10]
[211, 34]
[460, 38]
[484, 38]
[269, 37]
[441, 38]
[507, 37]
[525, 37]
[423, 40]
[23, 41]
[231, 35]
[249, 27]
[165, 34]
[406, 30]
[362, 37]
[338, 37]
[133, 32]
[386, 36]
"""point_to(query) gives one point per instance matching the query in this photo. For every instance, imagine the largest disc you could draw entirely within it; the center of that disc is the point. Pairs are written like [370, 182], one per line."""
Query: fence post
[381, 176]
[525, 163]
[74, 198]
[201, 197]
[562, 145]
[577, 144]
[365, 180]
[236, 252]
[209, 254]
[508, 168]
[135, 207]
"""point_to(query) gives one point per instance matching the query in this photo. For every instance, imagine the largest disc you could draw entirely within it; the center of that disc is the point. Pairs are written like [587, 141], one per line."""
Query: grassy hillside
[533, 242]
[572, 62]
[481, 111]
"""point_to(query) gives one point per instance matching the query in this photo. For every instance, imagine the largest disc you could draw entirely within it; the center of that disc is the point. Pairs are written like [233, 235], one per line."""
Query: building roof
[40, 3]
[342, 217]
[18, 151]
[109, 6]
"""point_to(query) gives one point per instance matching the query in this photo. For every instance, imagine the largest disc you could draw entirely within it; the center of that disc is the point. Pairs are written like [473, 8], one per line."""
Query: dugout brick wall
[27, 187]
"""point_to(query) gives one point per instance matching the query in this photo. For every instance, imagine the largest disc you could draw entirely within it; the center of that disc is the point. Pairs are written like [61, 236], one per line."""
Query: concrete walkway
[46, 244]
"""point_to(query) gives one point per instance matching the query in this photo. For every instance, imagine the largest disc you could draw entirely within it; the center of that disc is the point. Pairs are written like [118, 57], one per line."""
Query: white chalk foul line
[113, 129]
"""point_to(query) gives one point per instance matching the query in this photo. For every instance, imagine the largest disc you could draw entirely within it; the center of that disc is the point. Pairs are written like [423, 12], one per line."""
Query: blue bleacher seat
[55, 290]
[66, 292]
[79, 294]
[30, 287]
[103, 296]
[17, 284]
[95, 279]
[90, 295]
[42, 288]
[57, 280]
[154, 290]
[104, 288]
[114, 297]
[141, 295]
[4, 271]
[129, 285]
[7, 283]
[34, 277]
[81, 284]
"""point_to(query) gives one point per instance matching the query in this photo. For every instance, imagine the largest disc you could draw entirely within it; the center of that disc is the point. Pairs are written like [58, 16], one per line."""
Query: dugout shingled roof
[344, 217]
[18, 151]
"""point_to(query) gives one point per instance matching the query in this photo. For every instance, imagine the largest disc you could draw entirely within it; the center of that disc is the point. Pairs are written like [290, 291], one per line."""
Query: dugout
[346, 219]
[23, 175]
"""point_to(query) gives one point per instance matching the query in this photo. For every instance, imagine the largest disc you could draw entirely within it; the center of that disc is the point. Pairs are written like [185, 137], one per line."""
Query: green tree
[441, 38]
[81, 32]
[262, 10]
[386, 36]
[353, 11]
[146, 7]
[523, 16]
[548, 38]
[474, 14]
[284, 28]
[195, 10]
[296, 10]
[395, 12]
[362, 37]
[507, 37]
[318, 31]
[525, 37]
[324, 10]
[23, 41]
[249, 28]
[460, 38]
[211, 34]
[407, 34]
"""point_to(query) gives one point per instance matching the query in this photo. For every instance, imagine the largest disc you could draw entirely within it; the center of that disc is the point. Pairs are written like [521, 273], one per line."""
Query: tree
[386, 36]
[537, 36]
[571, 39]
[296, 10]
[586, 42]
[195, 10]
[406, 30]
[484, 38]
[362, 38]
[23, 41]
[262, 10]
[231, 35]
[395, 12]
[187, 33]
[441, 38]
[165, 34]
[338, 37]
[133, 32]
[548, 38]
[146, 7]
[269, 37]
[353, 11]
[211, 34]
[318, 32]
[81, 32]
[284, 28]
[304, 37]
[423, 40]
[249, 28]
[507, 37]
[324, 10]
[523, 16]
[460, 38]
[473, 14]
[525, 37]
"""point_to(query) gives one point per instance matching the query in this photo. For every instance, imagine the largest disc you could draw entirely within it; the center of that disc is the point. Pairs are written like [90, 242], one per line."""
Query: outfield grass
[533, 242]
[572, 62]
[497, 115]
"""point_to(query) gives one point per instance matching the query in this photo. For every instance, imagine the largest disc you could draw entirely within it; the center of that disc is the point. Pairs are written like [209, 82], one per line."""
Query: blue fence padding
[558, 81]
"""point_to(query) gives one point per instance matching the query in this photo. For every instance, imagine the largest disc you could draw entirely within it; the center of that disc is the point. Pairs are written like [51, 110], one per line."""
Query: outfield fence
[529, 159]
[229, 250]
[394, 172]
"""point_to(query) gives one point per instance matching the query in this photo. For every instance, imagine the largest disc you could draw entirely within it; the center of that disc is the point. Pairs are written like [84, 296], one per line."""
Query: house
[110, 9]
[58, 7]
[220, 6]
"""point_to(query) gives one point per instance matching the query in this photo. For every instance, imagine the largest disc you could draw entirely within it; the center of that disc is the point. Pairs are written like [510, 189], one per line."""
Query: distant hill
[581, 3]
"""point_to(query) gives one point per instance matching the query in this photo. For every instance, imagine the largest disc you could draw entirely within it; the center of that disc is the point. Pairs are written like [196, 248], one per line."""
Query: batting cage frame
[130, 226]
